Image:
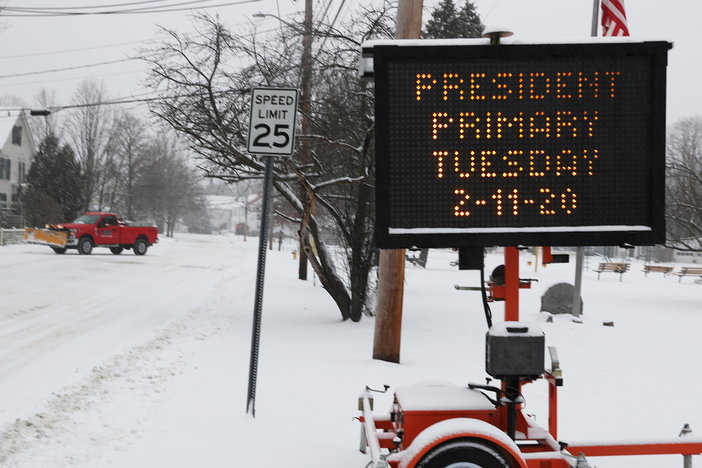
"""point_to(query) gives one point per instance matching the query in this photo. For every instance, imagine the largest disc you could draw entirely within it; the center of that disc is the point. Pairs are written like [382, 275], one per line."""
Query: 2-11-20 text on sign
[519, 144]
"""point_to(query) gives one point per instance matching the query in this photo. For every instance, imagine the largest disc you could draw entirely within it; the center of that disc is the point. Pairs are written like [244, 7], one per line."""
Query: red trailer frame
[428, 418]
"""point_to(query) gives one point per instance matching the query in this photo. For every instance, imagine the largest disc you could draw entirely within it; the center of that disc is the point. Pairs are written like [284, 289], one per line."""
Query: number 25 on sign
[272, 121]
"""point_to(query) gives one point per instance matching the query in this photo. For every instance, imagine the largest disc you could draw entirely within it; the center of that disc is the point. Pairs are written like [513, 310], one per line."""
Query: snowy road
[126, 361]
[69, 322]
[62, 315]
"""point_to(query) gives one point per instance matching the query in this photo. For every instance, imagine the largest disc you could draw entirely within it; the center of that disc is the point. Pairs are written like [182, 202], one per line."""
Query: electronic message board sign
[539, 144]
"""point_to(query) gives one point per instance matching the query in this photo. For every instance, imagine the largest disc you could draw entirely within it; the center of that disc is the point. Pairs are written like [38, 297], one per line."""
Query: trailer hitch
[581, 461]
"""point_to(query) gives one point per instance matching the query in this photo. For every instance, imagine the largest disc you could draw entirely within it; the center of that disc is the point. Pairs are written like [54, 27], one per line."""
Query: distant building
[687, 257]
[662, 254]
[17, 152]
[231, 214]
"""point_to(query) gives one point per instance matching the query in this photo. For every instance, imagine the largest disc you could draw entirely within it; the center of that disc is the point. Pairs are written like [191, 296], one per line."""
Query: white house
[17, 153]
[231, 214]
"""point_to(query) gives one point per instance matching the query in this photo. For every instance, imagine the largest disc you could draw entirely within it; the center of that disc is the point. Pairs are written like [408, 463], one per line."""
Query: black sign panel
[558, 144]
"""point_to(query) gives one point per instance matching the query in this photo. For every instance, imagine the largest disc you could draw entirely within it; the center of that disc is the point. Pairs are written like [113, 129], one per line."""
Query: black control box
[514, 349]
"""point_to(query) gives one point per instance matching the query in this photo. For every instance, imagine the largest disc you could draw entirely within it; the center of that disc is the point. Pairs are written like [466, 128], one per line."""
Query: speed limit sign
[272, 122]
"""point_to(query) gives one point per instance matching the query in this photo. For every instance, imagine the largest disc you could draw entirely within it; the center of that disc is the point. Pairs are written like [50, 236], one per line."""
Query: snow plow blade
[45, 237]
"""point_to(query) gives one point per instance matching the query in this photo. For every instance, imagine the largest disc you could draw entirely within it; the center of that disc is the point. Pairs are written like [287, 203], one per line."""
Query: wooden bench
[666, 270]
[620, 268]
[689, 271]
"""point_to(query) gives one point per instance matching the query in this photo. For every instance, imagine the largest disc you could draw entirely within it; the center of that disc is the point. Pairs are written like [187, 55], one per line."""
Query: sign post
[271, 133]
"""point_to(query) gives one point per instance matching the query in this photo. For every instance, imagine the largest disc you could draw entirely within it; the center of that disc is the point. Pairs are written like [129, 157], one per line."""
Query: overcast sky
[33, 46]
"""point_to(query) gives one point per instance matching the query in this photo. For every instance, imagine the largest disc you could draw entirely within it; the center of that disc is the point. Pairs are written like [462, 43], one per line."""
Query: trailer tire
[116, 250]
[59, 250]
[140, 246]
[85, 246]
[463, 454]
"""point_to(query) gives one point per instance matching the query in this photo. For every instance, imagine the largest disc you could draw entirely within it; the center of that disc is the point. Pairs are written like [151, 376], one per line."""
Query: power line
[58, 11]
[84, 7]
[133, 100]
[331, 26]
[106, 46]
[77, 67]
[91, 65]
[145, 10]
[56, 52]
[56, 80]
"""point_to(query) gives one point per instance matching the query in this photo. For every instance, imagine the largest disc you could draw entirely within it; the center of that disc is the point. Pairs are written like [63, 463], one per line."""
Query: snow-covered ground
[126, 361]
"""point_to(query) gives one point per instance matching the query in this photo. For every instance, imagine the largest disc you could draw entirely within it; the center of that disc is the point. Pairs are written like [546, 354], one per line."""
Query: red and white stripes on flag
[614, 18]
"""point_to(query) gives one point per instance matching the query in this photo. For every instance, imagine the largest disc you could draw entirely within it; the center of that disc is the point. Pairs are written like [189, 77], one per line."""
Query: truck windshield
[87, 219]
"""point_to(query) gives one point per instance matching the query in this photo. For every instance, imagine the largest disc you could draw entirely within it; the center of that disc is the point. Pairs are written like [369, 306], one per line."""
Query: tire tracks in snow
[79, 420]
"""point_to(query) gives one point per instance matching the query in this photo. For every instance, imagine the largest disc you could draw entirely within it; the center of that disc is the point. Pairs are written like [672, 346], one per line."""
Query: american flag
[614, 18]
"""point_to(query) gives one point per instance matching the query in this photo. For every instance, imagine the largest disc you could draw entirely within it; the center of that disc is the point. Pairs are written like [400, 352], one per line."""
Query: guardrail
[11, 236]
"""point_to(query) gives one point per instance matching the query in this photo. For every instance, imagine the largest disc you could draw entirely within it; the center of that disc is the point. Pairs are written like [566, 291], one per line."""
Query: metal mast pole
[260, 275]
[580, 255]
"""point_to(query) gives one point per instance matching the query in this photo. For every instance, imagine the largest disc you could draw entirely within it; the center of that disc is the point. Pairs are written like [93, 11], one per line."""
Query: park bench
[666, 270]
[620, 268]
[689, 271]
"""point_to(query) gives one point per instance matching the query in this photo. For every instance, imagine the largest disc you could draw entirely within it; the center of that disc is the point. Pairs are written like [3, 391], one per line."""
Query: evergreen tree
[447, 22]
[40, 209]
[56, 173]
[470, 23]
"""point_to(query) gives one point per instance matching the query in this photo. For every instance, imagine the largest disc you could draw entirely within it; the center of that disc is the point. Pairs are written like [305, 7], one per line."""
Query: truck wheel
[85, 246]
[140, 247]
[116, 250]
[59, 250]
[463, 454]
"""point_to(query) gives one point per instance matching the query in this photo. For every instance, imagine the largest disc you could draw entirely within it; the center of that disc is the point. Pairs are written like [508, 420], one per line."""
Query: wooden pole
[409, 19]
[391, 274]
[388, 317]
[305, 110]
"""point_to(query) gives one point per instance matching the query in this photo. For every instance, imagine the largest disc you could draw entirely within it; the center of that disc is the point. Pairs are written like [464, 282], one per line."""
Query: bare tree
[166, 188]
[130, 141]
[205, 93]
[46, 125]
[684, 185]
[89, 126]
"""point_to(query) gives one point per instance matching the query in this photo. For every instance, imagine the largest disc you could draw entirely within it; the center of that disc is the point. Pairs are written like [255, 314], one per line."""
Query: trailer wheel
[116, 250]
[85, 246]
[59, 250]
[463, 454]
[140, 247]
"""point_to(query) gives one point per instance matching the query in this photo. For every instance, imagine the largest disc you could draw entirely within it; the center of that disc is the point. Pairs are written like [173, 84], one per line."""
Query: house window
[17, 135]
[3, 200]
[4, 169]
[22, 172]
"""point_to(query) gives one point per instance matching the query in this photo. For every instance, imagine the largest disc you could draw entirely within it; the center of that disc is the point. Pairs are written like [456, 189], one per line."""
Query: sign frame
[277, 105]
[653, 232]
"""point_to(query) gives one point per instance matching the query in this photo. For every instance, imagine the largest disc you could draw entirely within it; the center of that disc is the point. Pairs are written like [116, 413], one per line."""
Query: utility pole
[305, 106]
[391, 275]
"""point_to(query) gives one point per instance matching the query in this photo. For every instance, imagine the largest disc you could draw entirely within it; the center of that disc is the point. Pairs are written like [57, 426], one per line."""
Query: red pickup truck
[95, 230]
